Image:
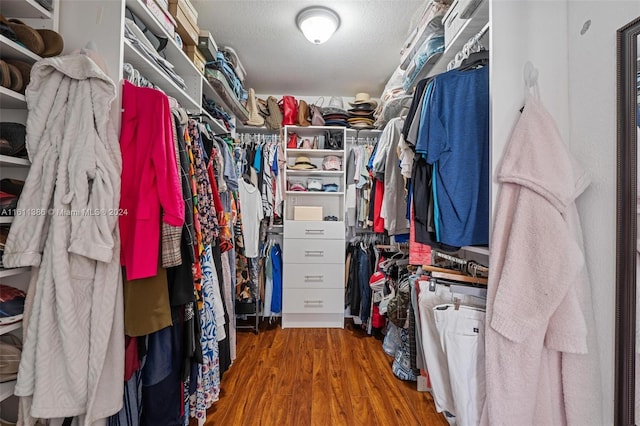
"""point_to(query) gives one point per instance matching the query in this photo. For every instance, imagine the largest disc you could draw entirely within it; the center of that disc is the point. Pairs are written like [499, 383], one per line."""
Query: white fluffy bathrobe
[542, 364]
[73, 357]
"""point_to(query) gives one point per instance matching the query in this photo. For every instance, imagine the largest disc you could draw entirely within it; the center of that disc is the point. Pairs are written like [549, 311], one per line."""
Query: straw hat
[303, 163]
[24, 69]
[363, 98]
[53, 43]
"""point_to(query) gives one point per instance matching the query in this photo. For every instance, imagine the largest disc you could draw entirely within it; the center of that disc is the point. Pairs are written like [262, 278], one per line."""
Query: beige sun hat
[303, 163]
[363, 98]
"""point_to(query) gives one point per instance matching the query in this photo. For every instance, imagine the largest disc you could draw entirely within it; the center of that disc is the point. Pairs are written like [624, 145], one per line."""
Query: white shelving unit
[13, 108]
[12, 50]
[4, 272]
[11, 100]
[158, 77]
[313, 252]
[6, 389]
[4, 329]
[24, 9]
[8, 161]
[478, 21]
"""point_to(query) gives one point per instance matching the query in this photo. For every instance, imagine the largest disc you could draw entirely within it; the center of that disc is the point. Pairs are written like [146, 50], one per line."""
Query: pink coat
[150, 178]
[542, 364]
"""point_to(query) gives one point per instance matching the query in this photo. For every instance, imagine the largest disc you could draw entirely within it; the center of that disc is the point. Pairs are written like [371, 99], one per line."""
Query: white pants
[434, 356]
[461, 335]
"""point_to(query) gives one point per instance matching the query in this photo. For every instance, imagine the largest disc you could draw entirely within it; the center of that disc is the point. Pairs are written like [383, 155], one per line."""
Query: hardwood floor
[303, 377]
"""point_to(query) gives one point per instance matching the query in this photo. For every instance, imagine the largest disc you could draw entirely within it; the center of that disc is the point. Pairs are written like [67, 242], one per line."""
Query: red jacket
[149, 178]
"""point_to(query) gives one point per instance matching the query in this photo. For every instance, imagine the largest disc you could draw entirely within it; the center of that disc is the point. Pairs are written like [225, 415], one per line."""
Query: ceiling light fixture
[318, 23]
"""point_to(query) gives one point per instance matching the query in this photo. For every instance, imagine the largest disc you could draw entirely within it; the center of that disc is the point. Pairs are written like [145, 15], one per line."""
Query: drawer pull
[314, 231]
[314, 253]
[319, 278]
[313, 302]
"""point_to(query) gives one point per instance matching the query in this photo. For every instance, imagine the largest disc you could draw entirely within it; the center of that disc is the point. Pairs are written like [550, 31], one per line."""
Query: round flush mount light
[318, 23]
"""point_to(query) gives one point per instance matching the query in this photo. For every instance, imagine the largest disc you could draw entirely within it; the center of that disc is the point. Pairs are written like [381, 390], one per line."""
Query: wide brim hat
[363, 98]
[302, 163]
[53, 43]
[332, 110]
[331, 162]
[28, 36]
[25, 70]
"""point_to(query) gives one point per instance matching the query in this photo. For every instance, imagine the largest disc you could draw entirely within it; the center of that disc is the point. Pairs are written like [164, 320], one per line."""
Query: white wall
[528, 30]
[578, 86]
[592, 89]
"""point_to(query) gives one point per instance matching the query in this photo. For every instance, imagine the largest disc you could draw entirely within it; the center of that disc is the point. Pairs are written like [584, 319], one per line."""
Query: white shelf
[158, 77]
[326, 173]
[13, 271]
[310, 131]
[292, 152]
[6, 389]
[363, 133]
[12, 50]
[233, 106]
[470, 28]
[303, 193]
[24, 9]
[216, 125]
[243, 128]
[11, 100]
[7, 161]
[6, 219]
[4, 329]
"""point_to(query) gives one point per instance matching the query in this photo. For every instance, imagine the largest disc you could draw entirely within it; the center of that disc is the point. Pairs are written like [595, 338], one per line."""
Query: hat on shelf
[330, 187]
[331, 162]
[13, 139]
[303, 163]
[363, 98]
[10, 352]
[27, 36]
[53, 43]
[11, 304]
[297, 186]
[314, 184]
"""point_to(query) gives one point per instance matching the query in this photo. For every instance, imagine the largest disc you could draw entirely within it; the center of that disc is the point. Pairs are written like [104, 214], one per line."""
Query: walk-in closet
[385, 212]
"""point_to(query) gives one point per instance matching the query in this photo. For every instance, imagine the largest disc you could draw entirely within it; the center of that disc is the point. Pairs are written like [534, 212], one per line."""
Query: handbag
[292, 142]
[333, 139]
[303, 114]
[289, 108]
[316, 113]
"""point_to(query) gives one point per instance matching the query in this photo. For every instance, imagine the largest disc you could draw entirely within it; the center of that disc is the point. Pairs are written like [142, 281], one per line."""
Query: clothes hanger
[475, 60]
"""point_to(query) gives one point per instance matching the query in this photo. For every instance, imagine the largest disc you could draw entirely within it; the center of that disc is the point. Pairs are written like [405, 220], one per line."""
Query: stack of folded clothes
[361, 112]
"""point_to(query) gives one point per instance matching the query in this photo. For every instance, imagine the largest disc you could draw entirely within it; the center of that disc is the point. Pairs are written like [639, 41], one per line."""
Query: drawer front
[314, 230]
[300, 301]
[316, 251]
[313, 275]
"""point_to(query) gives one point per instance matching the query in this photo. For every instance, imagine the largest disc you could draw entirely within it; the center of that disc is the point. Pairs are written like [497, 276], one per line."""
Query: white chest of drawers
[313, 281]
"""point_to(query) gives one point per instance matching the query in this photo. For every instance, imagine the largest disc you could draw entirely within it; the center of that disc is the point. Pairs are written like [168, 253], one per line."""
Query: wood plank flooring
[303, 377]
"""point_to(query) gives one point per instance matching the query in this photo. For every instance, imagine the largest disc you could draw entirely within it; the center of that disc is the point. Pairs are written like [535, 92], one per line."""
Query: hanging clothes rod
[452, 258]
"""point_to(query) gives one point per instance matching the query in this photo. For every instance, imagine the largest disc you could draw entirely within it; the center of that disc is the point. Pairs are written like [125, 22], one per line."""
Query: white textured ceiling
[360, 57]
